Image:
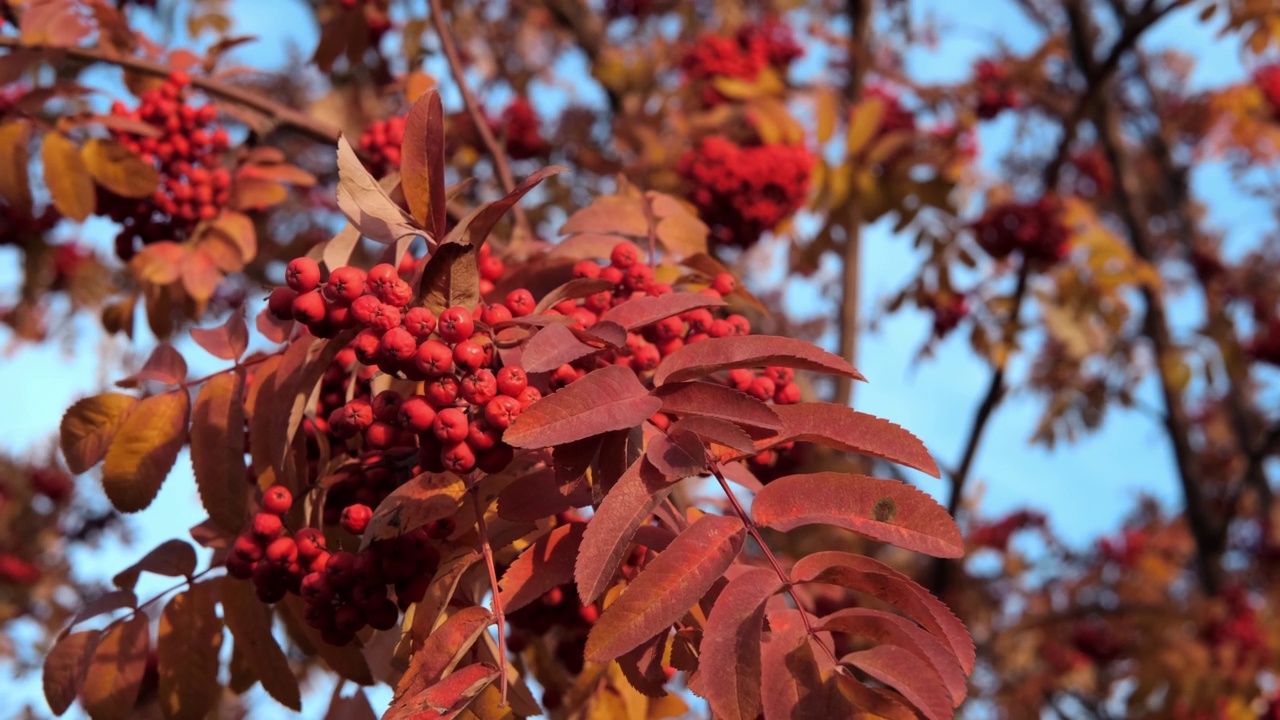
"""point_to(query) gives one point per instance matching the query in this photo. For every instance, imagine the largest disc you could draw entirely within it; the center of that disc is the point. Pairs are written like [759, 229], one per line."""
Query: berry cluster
[771, 39]
[743, 192]
[193, 184]
[517, 126]
[768, 43]
[1093, 178]
[638, 9]
[380, 143]
[995, 91]
[1267, 80]
[896, 117]
[1236, 632]
[948, 309]
[1035, 229]
[996, 535]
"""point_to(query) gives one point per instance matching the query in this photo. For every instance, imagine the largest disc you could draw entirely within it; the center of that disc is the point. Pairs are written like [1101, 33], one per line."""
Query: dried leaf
[117, 169]
[717, 354]
[115, 674]
[729, 657]
[217, 450]
[89, 426]
[713, 430]
[145, 449]
[447, 698]
[610, 398]
[250, 624]
[190, 638]
[885, 510]
[67, 177]
[65, 667]
[366, 204]
[611, 528]
[547, 563]
[425, 499]
[667, 587]
[450, 278]
[165, 365]
[609, 214]
[171, 558]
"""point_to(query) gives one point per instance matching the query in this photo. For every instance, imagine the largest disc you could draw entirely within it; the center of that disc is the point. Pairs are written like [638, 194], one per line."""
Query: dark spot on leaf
[884, 510]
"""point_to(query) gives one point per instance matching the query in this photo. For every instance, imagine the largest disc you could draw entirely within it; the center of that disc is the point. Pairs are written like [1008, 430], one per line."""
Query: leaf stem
[487, 552]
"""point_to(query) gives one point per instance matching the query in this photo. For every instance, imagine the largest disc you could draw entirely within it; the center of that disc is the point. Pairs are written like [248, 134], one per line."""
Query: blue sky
[1085, 488]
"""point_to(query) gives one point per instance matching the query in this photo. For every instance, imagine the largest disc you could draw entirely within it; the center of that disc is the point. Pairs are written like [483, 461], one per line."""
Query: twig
[280, 115]
[487, 551]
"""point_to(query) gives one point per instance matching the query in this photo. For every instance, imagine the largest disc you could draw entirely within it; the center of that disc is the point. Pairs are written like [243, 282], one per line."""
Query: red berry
[315, 588]
[724, 283]
[433, 358]
[348, 619]
[398, 343]
[529, 396]
[762, 388]
[586, 269]
[267, 527]
[420, 322]
[386, 405]
[277, 500]
[416, 414]
[247, 548]
[468, 355]
[496, 315]
[512, 380]
[345, 285]
[455, 325]
[355, 518]
[501, 411]
[788, 394]
[491, 267]
[383, 615]
[624, 255]
[520, 302]
[341, 569]
[239, 568]
[458, 457]
[280, 302]
[309, 308]
[450, 425]
[282, 551]
[442, 392]
[381, 435]
[310, 542]
[479, 387]
[303, 274]
[481, 436]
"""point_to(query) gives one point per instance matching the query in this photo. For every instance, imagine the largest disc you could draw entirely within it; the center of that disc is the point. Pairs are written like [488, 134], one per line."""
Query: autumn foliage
[508, 414]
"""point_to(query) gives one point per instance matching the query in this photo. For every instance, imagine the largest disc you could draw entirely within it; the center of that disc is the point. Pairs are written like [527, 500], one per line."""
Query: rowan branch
[486, 550]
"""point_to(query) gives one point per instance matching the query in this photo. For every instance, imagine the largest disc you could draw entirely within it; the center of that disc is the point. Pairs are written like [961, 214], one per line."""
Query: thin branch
[280, 115]
[487, 551]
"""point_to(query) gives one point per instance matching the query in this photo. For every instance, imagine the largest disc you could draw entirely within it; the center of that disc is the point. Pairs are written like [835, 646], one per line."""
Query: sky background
[1085, 488]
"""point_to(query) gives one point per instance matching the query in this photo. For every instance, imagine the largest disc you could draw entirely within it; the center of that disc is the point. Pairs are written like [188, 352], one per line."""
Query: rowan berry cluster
[187, 153]
[756, 46]
[996, 92]
[517, 126]
[1034, 229]
[380, 143]
[1267, 80]
[743, 192]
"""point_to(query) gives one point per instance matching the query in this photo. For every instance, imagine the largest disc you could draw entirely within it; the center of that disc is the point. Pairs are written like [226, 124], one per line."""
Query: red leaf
[443, 649]
[250, 624]
[872, 577]
[610, 398]
[729, 663]
[888, 629]
[188, 641]
[546, 564]
[575, 289]
[537, 495]
[677, 455]
[646, 310]
[714, 430]
[667, 587]
[791, 686]
[217, 449]
[611, 528]
[908, 674]
[425, 499]
[851, 431]
[704, 399]
[642, 666]
[886, 510]
[447, 698]
[474, 228]
[716, 354]
[165, 365]
[551, 347]
[228, 341]
[422, 163]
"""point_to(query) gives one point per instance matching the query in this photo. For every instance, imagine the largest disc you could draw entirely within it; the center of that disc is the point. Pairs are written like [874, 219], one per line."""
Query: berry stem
[498, 616]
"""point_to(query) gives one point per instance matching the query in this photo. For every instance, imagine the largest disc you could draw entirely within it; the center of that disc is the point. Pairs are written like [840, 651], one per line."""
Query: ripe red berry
[282, 551]
[458, 457]
[455, 325]
[529, 396]
[380, 276]
[479, 387]
[468, 355]
[553, 597]
[341, 569]
[724, 283]
[384, 615]
[433, 358]
[762, 388]
[303, 274]
[280, 302]
[345, 285]
[496, 315]
[398, 343]
[416, 414]
[788, 394]
[382, 435]
[348, 619]
[491, 267]
[357, 414]
[520, 302]
[266, 527]
[740, 378]
[512, 380]
[310, 542]
[386, 405]
[277, 500]
[481, 436]
[315, 588]
[450, 425]
[355, 518]
[420, 322]
[239, 568]
[501, 411]
[309, 308]
[442, 392]
[586, 269]
[247, 548]
[624, 255]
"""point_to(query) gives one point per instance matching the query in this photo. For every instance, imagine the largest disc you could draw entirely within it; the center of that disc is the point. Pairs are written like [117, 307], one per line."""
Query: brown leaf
[250, 624]
[145, 449]
[89, 426]
[729, 657]
[609, 214]
[888, 629]
[115, 674]
[338, 249]
[846, 429]
[864, 123]
[238, 230]
[885, 510]
[679, 229]
[791, 685]
[171, 558]
[715, 401]
[15, 154]
[641, 311]
[190, 638]
[106, 603]
[610, 398]
[117, 169]
[217, 450]
[422, 157]
[476, 225]
[200, 276]
[908, 674]
[251, 193]
[425, 499]
[67, 177]
[546, 564]
[366, 204]
[159, 263]
[450, 278]
[537, 495]
[717, 354]
[65, 667]
[551, 347]
[443, 585]
[667, 587]
[610, 530]
[228, 341]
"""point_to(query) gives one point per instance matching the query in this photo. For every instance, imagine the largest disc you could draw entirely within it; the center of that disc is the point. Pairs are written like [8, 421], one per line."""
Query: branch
[487, 551]
[280, 115]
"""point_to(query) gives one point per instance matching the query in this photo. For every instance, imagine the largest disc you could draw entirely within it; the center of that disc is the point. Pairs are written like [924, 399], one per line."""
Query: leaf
[165, 365]
[116, 168]
[422, 156]
[67, 177]
[609, 532]
[573, 290]
[641, 311]
[885, 510]
[713, 430]
[846, 429]
[171, 558]
[476, 225]
[159, 263]
[711, 400]
[88, 427]
[366, 204]
[536, 495]
[729, 657]
[217, 450]
[874, 578]
[888, 629]
[115, 674]
[544, 565]
[667, 587]
[609, 214]
[443, 586]
[864, 123]
[190, 638]
[717, 354]
[424, 499]
[450, 277]
[106, 603]
[65, 667]
[677, 455]
[642, 666]
[250, 624]
[791, 685]
[145, 449]
[228, 341]
[906, 673]
[338, 249]
[610, 398]
[551, 347]
[447, 698]
[679, 229]
[443, 649]
[347, 661]
[15, 155]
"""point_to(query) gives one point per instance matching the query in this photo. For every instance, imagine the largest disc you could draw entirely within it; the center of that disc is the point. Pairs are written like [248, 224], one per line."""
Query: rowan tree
[511, 415]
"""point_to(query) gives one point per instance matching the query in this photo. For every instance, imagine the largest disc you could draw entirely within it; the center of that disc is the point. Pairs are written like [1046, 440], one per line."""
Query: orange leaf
[190, 637]
[609, 215]
[611, 528]
[422, 156]
[425, 499]
[145, 449]
[217, 449]
[159, 263]
[172, 558]
[65, 667]
[228, 341]
[115, 674]
[67, 177]
[546, 564]
[908, 674]
[89, 426]
[15, 184]
[165, 365]
[443, 649]
[118, 169]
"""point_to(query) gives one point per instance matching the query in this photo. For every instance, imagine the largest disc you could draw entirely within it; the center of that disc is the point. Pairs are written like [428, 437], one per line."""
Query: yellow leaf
[187, 649]
[145, 449]
[864, 122]
[68, 179]
[115, 673]
[15, 185]
[825, 107]
[217, 452]
[117, 169]
[89, 426]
